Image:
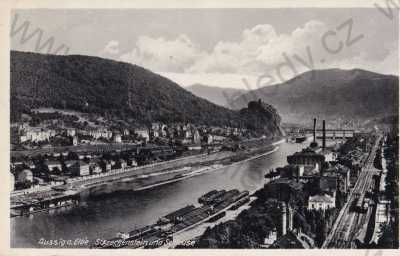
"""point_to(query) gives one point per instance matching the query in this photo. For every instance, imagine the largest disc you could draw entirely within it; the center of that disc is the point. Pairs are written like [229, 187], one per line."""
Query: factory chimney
[290, 218]
[284, 218]
[314, 143]
[315, 123]
[323, 135]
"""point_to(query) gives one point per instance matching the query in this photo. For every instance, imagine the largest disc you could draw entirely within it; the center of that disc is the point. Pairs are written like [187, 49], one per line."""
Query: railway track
[349, 222]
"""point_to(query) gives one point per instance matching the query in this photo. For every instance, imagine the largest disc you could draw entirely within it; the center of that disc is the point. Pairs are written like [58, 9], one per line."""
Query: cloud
[260, 50]
[237, 57]
[111, 50]
[263, 51]
[160, 54]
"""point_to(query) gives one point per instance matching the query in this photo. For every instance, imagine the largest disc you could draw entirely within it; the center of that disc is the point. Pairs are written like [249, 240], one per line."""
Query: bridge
[334, 134]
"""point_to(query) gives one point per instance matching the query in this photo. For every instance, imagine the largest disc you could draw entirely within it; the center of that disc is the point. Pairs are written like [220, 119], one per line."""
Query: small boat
[127, 179]
[217, 217]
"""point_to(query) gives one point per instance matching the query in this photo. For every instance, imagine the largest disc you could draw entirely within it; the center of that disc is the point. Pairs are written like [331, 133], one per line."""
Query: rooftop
[306, 152]
[310, 171]
[321, 199]
[327, 183]
[339, 168]
[286, 181]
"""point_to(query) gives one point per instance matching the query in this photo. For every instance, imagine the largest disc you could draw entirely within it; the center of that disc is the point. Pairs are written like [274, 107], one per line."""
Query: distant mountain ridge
[218, 95]
[330, 94]
[112, 89]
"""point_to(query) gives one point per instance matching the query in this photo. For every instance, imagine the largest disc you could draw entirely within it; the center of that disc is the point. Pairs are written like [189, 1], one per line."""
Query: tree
[386, 240]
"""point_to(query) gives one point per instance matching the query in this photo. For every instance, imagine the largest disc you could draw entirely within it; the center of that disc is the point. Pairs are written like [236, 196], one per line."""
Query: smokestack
[290, 218]
[323, 135]
[284, 219]
[315, 123]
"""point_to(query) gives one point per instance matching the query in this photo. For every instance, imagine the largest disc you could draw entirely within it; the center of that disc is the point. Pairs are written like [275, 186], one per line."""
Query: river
[111, 208]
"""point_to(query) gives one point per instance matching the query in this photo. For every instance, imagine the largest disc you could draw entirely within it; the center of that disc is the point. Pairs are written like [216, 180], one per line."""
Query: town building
[126, 132]
[74, 140]
[196, 137]
[54, 165]
[117, 137]
[330, 156]
[70, 132]
[67, 165]
[209, 139]
[30, 164]
[342, 174]
[321, 202]
[187, 134]
[123, 163]
[328, 185]
[100, 133]
[270, 239]
[94, 168]
[282, 188]
[80, 168]
[155, 126]
[218, 138]
[307, 157]
[25, 176]
[298, 171]
[143, 133]
[37, 134]
[158, 130]
[132, 162]
[163, 130]
[23, 138]
[105, 166]
[154, 134]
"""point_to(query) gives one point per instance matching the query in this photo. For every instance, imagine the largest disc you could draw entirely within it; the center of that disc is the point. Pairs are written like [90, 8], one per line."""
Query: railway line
[354, 213]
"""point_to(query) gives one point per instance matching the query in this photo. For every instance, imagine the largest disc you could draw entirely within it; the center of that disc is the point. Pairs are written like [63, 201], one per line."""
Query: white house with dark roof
[143, 133]
[321, 202]
[53, 165]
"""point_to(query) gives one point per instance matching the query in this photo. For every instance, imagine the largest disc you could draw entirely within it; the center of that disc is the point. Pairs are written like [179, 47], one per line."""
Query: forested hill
[331, 94]
[108, 88]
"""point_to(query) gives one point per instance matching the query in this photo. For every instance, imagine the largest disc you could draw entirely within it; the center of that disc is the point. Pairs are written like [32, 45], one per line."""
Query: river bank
[111, 208]
[161, 172]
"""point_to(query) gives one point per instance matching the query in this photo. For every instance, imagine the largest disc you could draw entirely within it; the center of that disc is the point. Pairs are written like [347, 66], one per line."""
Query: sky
[238, 48]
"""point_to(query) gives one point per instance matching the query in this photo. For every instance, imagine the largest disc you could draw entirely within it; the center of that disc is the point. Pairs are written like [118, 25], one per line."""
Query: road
[349, 222]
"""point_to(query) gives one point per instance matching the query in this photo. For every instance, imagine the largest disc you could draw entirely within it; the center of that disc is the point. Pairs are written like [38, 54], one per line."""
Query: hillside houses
[46, 134]
[100, 133]
[64, 150]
